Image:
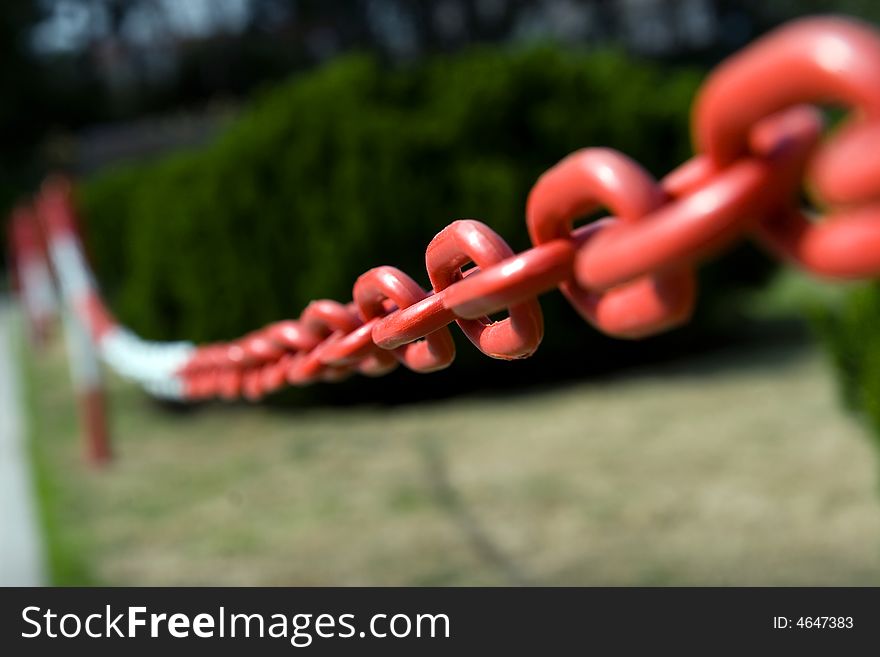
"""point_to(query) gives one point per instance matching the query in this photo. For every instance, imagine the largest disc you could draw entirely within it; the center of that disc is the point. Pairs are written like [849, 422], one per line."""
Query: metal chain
[629, 275]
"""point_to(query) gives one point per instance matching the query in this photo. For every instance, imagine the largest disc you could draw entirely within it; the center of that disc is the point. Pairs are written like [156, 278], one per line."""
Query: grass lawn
[737, 468]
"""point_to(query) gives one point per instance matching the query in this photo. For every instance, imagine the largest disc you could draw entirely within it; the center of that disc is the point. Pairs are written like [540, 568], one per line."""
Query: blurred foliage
[353, 165]
[848, 330]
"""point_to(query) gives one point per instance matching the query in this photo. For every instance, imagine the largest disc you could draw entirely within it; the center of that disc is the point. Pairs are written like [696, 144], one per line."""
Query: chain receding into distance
[758, 139]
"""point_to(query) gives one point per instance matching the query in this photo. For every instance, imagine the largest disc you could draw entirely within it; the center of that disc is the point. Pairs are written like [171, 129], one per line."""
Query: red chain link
[815, 60]
[631, 274]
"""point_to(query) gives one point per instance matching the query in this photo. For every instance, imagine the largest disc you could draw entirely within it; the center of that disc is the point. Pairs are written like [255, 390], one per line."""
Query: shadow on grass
[451, 501]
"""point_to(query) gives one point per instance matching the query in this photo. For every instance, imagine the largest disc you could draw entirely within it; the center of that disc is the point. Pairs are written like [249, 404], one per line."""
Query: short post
[82, 329]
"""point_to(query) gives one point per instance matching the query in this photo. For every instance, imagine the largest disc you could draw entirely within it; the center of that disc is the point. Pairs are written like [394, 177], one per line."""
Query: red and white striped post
[83, 317]
[31, 277]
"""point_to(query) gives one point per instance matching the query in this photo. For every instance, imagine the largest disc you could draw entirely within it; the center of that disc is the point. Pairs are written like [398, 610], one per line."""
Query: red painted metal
[467, 241]
[824, 60]
[582, 183]
[94, 421]
[430, 347]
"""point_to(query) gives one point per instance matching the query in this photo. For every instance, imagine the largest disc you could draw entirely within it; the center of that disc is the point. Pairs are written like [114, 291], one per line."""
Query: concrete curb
[22, 556]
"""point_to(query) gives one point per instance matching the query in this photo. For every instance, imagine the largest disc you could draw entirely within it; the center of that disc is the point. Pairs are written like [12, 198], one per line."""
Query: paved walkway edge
[22, 556]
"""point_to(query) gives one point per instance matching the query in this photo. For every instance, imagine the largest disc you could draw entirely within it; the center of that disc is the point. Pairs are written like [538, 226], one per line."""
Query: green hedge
[355, 165]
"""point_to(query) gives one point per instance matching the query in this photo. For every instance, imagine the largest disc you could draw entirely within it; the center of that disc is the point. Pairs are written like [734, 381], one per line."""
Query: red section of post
[31, 277]
[93, 419]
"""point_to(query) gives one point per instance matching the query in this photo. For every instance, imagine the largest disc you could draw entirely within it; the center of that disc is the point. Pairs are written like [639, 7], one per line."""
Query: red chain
[629, 275]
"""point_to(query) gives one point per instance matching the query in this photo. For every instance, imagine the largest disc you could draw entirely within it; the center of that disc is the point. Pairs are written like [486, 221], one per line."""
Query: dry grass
[737, 469]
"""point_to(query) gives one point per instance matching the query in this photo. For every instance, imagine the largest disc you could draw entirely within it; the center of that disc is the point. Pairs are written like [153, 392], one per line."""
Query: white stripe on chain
[154, 365]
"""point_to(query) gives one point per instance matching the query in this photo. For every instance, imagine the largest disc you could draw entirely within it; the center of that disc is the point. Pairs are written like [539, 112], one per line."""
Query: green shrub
[849, 332]
[355, 165]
